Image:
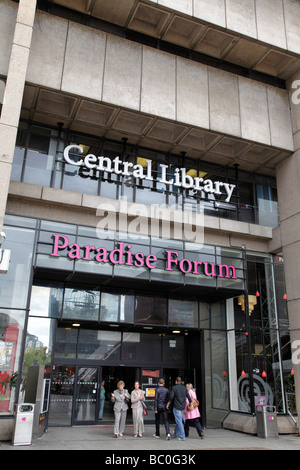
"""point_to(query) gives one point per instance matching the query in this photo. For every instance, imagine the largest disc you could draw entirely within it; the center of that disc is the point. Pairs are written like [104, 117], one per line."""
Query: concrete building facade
[200, 101]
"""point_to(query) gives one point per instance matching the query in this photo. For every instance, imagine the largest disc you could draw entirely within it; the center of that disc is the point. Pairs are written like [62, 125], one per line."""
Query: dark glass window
[173, 349]
[81, 304]
[66, 343]
[151, 310]
[116, 307]
[46, 300]
[39, 160]
[141, 347]
[104, 345]
[183, 313]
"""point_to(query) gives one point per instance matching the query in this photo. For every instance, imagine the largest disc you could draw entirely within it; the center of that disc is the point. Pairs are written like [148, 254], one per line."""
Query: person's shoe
[121, 435]
[157, 437]
[202, 436]
[140, 436]
[168, 437]
[180, 439]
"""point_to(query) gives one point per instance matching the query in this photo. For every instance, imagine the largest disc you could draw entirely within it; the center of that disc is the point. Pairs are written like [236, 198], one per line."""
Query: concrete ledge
[61, 197]
[246, 423]
[240, 422]
[6, 428]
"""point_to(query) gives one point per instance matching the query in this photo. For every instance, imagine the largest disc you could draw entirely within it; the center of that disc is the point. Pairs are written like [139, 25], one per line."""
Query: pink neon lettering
[212, 273]
[119, 253]
[56, 246]
[139, 260]
[74, 252]
[151, 259]
[221, 266]
[182, 268]
[87, 252]
[170, 260]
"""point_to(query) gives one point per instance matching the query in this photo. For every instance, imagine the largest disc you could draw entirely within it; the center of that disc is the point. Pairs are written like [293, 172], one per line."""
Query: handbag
[193, 405]
[145, 412]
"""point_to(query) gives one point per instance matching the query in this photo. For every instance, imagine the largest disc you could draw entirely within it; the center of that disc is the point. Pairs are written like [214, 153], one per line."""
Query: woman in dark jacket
[162, 396]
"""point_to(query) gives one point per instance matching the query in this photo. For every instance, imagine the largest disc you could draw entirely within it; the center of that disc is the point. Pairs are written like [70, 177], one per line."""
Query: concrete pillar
[288, 185]
[13, 95]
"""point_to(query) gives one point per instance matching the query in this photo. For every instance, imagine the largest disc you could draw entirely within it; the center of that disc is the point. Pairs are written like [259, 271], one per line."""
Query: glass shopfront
[86, 322]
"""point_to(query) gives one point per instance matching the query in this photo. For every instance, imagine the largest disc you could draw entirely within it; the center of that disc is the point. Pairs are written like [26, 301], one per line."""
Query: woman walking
[137, 398]
[193, 415]
[120, 398]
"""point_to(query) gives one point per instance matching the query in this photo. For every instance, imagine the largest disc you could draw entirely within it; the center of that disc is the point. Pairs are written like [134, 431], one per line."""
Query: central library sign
[178, 177]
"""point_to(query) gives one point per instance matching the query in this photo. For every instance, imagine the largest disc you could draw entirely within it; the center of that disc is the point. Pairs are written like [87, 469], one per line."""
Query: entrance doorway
[75, 392]
[111, 376]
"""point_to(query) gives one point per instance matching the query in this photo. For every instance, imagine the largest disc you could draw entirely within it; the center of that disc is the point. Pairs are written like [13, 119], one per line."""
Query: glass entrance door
[86, 395]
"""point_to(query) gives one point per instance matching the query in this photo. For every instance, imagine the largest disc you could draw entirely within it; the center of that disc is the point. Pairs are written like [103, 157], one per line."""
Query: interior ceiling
[189, 32]
[78, 114]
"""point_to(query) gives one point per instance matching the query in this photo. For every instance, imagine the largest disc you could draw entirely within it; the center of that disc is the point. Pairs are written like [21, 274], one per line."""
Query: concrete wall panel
[184, 6]
[84, 61]
[47, 51]
[254, 111]
[212, 11]
[224, 102]
[8, 15]
[192, 93]
[292, 21]
[241, 18]
[122, 75]
[158, 83]
[270, 22]
[280, 118]
[95, 65]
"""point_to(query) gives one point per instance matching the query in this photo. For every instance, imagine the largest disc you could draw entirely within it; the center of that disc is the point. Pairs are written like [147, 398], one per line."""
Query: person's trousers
[179, 428]
[197, 426]
[120, 419]
[164, 414]
[101, 407]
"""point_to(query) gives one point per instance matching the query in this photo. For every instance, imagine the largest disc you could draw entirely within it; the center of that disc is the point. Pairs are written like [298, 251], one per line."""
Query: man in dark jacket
[178, 395]
[162, 396]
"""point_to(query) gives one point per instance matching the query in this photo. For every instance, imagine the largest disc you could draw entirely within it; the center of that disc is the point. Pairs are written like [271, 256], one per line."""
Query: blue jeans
[101, 406]
[179, 428]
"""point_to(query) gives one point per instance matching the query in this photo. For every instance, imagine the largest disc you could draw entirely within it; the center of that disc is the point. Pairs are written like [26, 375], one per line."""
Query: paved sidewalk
[101, 438]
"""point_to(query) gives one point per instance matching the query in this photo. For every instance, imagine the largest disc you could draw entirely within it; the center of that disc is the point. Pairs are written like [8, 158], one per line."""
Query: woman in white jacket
[137, 398]
[120, 398]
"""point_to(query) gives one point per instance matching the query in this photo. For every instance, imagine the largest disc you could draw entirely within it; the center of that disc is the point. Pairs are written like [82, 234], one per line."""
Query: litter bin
[266, 421]
[24, 415]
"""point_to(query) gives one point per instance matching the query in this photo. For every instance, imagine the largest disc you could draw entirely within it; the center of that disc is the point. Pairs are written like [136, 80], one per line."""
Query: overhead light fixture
[176, 331]
[75, 324]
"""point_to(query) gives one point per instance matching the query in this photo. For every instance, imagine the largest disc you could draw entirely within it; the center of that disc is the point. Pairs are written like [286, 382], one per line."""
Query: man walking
[178, 395]
[162, 395]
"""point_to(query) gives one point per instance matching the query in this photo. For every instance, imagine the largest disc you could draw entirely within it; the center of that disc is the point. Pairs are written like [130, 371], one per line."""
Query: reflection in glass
[183, 313]
[66, 343]
[116, 307]
[151, 310]
[141, 347]
[46, 300]
[86, 394]
[104, 345]
[173, 349]
[15, 283]
[61, 397]
[11, 333]
[216, 372]
[81, 304]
